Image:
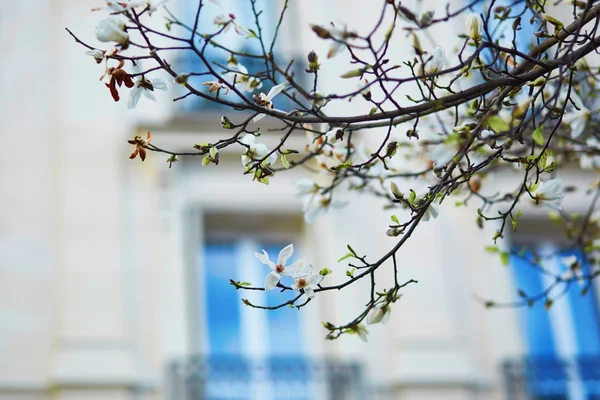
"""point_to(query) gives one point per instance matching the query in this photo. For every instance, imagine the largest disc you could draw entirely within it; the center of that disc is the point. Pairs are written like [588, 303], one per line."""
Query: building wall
[96, 250]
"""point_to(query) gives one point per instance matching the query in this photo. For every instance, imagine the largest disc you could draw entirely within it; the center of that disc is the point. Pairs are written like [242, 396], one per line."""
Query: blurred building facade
[112, 269]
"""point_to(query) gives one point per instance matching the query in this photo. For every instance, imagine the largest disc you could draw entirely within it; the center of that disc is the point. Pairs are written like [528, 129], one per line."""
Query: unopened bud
[393, 232]
[352, 74]
[396, 191]
[313, 62]
[182, 79]
[321, 32]
[226, 123]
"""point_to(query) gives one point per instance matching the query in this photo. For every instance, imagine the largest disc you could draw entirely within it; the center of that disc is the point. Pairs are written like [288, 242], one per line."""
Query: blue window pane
[536, 321]
[584, 311]
[222, 303]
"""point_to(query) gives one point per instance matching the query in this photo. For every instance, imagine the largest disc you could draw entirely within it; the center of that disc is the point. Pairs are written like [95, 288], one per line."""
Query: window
[235, 329]
[562, 343]
[244, 16]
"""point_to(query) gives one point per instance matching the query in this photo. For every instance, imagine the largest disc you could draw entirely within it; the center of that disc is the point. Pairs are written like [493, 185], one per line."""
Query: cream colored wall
[96, 250]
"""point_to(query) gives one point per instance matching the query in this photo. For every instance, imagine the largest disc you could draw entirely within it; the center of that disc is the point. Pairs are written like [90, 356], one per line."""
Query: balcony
[282, 378]
[547, 378]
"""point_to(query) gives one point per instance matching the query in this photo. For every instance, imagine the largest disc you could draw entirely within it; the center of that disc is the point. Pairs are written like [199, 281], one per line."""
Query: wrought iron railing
[547, 378]
[281, 378]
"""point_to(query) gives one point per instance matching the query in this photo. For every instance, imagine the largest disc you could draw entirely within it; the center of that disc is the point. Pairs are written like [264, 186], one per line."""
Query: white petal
[314, 280]
[308, 291]
[264, 258]
[275, 90]
[578, 126]
[313, 212]
[248, 139]
[299, 268]
[258, 117]
[134, 97]
[272, 280]
[285, 254]
[375, 316]
[386, 316]
[148, 94]
[160, 84]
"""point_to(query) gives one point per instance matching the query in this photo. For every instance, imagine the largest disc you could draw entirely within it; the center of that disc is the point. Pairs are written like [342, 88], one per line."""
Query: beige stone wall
[96, 250]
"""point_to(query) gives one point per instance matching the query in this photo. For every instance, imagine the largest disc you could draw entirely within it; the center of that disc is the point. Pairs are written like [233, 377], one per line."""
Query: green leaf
[284, 161]
[350, 272]
[497, 124]
[411, 197]
[325, 272]
[504, 258]
[519, 212]
[492, 249]
[514, 224]
[351, 250]
[345, 257]
[395, 220]
[538, 135]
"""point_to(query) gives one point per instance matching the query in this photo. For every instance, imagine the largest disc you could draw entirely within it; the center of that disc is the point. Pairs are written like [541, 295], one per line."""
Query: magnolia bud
[321, 32]
[396, 191]
[112, 29]
[226, 123]
[474, 26]
[182, 79]
[313, 62]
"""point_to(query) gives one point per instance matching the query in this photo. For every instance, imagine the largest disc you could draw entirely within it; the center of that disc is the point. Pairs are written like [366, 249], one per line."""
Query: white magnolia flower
[97, 54]
[474, 26]
[227, 20]
[255, 151]
[112, 29]
[550, 193]
[340, 35]
[307, 189]
[318, 205]
[250, 83]
[379, 313]
[432, 212]
[265, 100]
[361, 331]
[298, 268]
[437, 61]
[308, 282]
[145, 86]
[578, 120]
[441, 154]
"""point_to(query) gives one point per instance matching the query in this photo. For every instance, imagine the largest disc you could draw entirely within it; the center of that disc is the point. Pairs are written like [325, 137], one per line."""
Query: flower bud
[226, 123]
[182, 79]
[352, 74]
[313, 62]
[437, 61]
[112, 29]
[396, 191]
[321, 32]
[474, 26]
